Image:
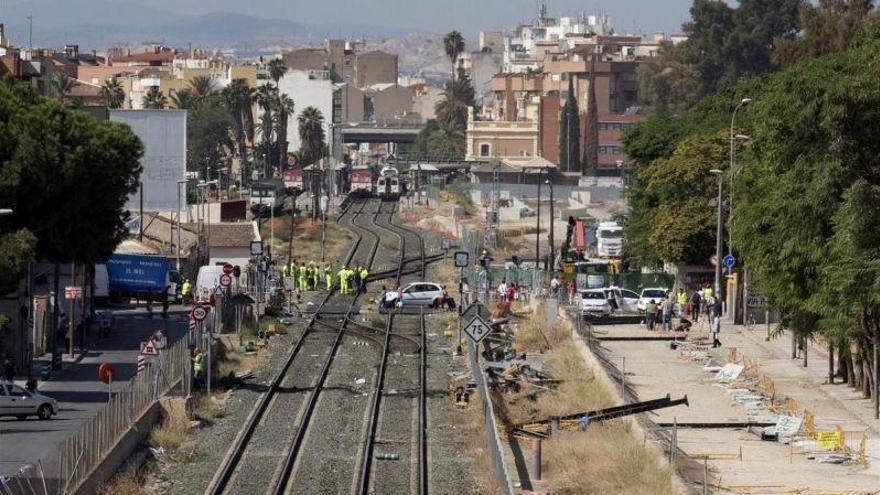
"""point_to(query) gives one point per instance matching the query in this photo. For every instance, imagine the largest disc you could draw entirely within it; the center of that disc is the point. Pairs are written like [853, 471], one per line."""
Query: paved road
[78, 390]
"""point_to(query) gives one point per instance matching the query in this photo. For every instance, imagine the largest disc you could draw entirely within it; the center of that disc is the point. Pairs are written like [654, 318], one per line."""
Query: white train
[388, 183]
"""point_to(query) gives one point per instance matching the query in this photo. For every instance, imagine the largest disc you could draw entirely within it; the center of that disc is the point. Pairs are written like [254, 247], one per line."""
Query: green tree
[265, 98]
[311, 135]
[284, 109]
[182, 99]
[453, 45]
[277, 68]
[590, 161]
[209, 139]
[458, 96]
[667, 84]
[112, 93]
[204, 90]
[62, 85]
[154, 99]
[447, 142]
[66, 176]
[569, 133]
[829, 27]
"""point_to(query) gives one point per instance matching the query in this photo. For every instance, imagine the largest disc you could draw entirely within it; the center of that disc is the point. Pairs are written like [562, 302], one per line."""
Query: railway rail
[300, 410]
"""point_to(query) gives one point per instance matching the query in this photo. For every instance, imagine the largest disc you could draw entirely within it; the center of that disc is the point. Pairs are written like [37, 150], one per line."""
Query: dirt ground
[765, 466]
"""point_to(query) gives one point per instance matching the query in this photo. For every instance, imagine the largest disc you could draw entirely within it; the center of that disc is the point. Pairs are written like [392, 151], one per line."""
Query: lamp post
[552, 219]
[206, 211]
[719, 233]
[179, 220]
[733, 139]
[538, 228]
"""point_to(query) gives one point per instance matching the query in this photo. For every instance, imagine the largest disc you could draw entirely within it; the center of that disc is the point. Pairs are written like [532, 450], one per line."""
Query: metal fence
[496, 452]
[82, 452]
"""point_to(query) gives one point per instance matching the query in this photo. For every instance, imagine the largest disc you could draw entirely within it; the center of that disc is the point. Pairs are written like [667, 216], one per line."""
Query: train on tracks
[388, 185]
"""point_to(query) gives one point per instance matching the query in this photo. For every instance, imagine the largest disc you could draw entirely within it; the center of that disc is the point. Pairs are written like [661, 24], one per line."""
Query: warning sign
[477, 329]
[829, 439]
[149, 349]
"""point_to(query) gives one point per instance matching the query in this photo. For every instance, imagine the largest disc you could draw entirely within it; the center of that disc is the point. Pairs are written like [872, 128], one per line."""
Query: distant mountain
[60, 22]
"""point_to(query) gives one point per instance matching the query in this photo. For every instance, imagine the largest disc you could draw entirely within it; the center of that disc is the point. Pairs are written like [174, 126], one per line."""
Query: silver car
[425, 294]
[18, 402]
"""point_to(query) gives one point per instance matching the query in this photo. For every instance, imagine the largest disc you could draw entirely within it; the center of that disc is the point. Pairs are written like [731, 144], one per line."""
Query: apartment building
[345, 64]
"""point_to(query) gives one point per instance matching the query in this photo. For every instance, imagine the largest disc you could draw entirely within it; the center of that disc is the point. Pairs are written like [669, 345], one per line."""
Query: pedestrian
[502, 290]
[554, 286]
[716, 322]
[667, 309]
[8, 368]
[301, 276]
[364, 274]
[572, 290]
[696, 301]
[707, 296]
[681, 301]
[198, 364]
[165, 302]
[328, 277]
[185, 289]
[650, 314]
[316, 276]
[356, 278]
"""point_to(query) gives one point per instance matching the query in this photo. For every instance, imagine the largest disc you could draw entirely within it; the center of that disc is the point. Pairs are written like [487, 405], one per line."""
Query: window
[523, 153]
[593, 295]
[630, 294]
[2, 391]
[17, 391]
[485, 149]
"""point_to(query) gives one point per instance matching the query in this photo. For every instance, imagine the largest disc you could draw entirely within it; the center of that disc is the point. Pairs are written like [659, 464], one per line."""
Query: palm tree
[112, 93]
[154, 99]
[238, 98]
[311, 134]
[458, 95]
[453, 44]
[265, 97]
[62, 85]
[182, 99]
[284, 108]
[203, 89]
[447, 143]
[277, 69]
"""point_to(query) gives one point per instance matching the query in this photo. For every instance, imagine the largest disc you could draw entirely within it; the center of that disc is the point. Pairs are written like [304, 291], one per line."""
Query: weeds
[207, 409]
[170, 434]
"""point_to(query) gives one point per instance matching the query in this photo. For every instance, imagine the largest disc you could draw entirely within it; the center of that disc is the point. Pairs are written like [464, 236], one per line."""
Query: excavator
[580, 239]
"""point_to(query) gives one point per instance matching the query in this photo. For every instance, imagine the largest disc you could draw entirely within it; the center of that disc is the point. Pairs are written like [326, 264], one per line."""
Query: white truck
[609, 240]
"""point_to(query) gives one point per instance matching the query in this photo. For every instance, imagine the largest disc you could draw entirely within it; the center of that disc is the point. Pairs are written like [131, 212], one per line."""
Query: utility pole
[552, 257]
[141, 221]
[538, 228]
[30, 19]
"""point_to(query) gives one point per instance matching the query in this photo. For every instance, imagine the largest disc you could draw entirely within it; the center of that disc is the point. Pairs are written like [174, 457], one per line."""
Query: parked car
[525, 211]
[595, 303]
[623, 300]
[18, 402]
[424, 294]
[658, 294]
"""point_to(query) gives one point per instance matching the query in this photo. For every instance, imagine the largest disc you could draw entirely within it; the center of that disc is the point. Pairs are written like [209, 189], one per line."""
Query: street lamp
[733, 139]
[5, 211]
[552, 218]
[179, 220]
[718, 234]
[206, 211]
[538, 229]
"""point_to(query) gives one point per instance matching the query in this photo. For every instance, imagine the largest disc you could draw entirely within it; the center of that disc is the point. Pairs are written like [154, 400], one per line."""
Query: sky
[468, 16]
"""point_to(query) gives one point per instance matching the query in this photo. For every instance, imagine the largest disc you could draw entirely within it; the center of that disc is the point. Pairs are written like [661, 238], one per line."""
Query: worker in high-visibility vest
[328, 276]
[316, 276]
[364, 273]
[185, 290]
[302, 278]
[681, 300]
[343, 280]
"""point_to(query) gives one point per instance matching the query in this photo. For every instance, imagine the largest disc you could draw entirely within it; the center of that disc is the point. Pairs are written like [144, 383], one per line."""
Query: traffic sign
[462, 259]
[225, 279]
[444, 243]
[141, 363]
[477, 329]
[713, 260]
[199, 313]
[106, 372]
[149, 349]
[73, 292]
[227, 269]
[729, 261]
[256, 248]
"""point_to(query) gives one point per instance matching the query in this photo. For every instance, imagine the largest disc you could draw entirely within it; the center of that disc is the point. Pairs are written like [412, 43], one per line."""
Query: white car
[622, 300]
[416, 294]
[594, 302]
[658, 294]
[18, 402]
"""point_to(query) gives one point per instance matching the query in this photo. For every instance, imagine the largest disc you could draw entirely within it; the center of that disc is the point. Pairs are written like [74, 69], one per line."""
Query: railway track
[398, 412]
[304, 434]
[247, 466]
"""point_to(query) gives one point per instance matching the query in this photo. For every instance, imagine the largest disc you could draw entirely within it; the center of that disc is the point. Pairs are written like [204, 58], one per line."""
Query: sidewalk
[655, 370]
[79, 391]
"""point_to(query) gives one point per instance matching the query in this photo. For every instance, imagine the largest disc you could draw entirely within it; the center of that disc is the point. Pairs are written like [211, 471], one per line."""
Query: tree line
[802, 215]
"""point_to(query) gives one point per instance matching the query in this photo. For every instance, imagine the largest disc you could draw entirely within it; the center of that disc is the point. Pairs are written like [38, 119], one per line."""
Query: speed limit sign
[199, 313]
[225, 279]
